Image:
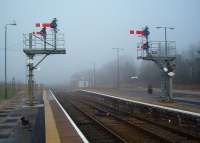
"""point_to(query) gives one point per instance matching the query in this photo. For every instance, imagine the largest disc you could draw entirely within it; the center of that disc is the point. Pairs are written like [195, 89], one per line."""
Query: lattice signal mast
[163, 54]
[45, 42]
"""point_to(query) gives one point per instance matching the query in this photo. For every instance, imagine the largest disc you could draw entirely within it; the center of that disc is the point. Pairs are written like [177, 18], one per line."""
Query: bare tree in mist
[188, 66]
[107, 75]
[149, 72]
[187, 71]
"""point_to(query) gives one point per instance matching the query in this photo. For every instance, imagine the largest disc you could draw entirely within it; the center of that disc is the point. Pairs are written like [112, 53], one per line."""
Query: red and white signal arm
[42, 24]
[36, 33]
[136, 32]
[37, 24]
[141, 46]
[131, 32]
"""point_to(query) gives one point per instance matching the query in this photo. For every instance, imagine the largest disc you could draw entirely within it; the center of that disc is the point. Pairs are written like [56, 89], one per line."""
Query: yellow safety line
[51, 131]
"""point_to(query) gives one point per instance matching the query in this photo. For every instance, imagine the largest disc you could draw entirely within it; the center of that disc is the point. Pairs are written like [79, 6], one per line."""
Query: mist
[92, 29]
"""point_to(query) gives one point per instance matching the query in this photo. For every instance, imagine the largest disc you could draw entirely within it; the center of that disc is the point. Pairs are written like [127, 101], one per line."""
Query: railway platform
[183, 101]
[44, 122]
[19, 122]
[59, 127]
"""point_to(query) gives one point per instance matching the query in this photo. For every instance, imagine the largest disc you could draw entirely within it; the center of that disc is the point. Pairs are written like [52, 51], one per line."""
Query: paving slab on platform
[11, 128]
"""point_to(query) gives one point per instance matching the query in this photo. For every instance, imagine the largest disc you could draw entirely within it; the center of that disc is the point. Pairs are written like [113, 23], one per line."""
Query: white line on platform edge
[148, 104]
[70, 119]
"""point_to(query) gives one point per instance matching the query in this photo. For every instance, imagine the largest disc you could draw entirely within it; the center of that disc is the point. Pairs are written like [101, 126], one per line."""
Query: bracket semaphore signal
[163, 54]
[45, 42]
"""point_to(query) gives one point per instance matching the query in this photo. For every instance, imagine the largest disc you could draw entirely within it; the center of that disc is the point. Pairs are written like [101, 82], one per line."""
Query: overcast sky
[92, 28]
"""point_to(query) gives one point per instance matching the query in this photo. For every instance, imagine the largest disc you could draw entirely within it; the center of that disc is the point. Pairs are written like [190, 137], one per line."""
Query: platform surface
[51, 131]
[142, 96]
[12, 129]
[59, 128]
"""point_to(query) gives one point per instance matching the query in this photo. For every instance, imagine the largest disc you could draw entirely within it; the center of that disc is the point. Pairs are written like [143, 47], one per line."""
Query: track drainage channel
[14, 115]
[6, 126]
[5, 133]
[5, 111]
[3, 115]
[10, 108]
[11, 120]
[3, 136]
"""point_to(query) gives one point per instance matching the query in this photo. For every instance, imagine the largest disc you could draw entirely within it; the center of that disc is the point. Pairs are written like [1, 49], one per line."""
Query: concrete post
[30, 74]
[170, 87]
[30, 82]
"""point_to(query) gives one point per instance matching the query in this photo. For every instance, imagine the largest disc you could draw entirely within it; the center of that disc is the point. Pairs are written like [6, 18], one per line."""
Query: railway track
[91, 128]
[128, 129]
[179, 121]
[116, 125]
[156, 126]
